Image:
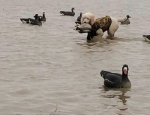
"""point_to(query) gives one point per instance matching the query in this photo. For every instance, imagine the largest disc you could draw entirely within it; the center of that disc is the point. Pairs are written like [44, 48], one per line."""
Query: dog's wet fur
[103, 23]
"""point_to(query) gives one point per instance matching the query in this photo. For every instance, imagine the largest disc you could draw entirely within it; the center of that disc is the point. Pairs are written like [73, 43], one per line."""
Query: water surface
[53, 64]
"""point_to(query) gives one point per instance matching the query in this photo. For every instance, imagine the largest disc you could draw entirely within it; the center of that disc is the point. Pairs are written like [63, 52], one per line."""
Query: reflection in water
[118, 94]
[123, 97]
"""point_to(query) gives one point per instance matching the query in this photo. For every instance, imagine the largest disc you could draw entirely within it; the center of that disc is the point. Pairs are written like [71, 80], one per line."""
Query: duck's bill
[125, 70]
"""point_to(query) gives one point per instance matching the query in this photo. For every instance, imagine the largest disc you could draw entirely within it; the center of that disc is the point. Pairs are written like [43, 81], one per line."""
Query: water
[42, 67]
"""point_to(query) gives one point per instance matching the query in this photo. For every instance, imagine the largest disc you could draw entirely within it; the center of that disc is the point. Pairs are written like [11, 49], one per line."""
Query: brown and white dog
[107, 23]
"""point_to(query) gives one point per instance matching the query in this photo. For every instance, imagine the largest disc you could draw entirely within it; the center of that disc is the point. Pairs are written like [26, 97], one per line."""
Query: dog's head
[88, 18]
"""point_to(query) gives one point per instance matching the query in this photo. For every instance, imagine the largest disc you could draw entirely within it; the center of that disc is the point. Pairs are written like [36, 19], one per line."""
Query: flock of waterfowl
[113, 80]
[85, 28]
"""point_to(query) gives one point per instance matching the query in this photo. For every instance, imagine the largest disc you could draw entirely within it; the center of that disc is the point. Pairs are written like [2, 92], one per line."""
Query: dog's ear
[82, 19]
[92, 20]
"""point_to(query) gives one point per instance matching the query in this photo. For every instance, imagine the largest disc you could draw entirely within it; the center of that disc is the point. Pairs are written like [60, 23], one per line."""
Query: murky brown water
[44, 66]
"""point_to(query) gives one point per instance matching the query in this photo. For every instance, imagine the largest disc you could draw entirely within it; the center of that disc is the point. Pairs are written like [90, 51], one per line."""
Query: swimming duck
[68, 13]
[146, 37]
[116, 80]
[125, 20]
[35, 21]
[43, 18]
[27, 20]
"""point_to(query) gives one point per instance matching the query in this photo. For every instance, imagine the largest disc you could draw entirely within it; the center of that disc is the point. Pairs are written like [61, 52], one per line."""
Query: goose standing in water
[125, 20]
[68, 13]
[116, 80]
[146, 37]
[43, 18]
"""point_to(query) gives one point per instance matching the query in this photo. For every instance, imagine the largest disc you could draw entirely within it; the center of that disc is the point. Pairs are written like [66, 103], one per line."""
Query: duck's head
[125, 69]
[43, 14]
[128, 16]
[36, 16]
[72, 8]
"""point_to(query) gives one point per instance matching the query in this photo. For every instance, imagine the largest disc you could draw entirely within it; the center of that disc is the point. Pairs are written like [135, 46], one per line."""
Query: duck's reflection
[124, 97]
[113, 93]
[116, 96]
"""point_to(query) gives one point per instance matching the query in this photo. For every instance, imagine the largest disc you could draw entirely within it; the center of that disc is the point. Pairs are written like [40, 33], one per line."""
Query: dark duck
[146, 37]
[43, 18]
[116, 80]
[27, 20]
[79, 19]
[36, 21]
[68, 13]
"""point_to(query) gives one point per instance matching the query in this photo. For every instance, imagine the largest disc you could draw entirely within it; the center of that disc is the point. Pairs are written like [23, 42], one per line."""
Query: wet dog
[107, 23]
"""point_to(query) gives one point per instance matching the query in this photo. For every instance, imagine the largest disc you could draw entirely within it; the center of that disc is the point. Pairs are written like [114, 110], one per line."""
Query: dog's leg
[113, 27]
[111, 35]
[100, 32]
[88, 36]
[99, 35]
